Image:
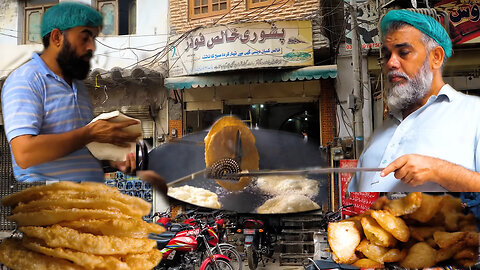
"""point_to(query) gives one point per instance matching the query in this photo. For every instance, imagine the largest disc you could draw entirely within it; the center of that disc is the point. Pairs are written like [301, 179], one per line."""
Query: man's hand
[417, 170]
[414, 169]
[154, 179]
[128, 166]
[107, 132]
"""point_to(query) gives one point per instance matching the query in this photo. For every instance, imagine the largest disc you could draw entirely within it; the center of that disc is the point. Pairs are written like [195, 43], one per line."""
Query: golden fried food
[219, 124]
[376, 234]
[368, 264]
[222, 145]
[422, 233]
[451, 209]
[405, 205]
[343, 238]
[420, 255]
[88, 261]
[372, 251]
[282, 184]
[89, 203]
[195, 195]
[130, 227]
[429, 208]
[49, 217]
[15, 256]
[394, 225]
[444, 254]
[287, 203]
[447, 239]
[468, 254]
[35, 193]
[472, 239]
[139, 261]
[379, 203]
[394, 255]
[58, 236]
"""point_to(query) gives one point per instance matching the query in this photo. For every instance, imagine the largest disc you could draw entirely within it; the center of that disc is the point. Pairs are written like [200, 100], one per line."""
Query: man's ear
[437, 55]
[56, 38]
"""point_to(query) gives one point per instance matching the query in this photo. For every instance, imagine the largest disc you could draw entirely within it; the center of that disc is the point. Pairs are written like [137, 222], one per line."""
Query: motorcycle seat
[177, 227]
[163, 236]
[161, 243]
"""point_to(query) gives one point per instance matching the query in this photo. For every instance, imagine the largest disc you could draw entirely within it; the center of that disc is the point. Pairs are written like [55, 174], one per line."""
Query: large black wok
[277, 150]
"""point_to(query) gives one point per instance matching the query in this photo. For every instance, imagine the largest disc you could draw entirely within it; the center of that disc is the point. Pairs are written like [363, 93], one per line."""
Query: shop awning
[252, 76]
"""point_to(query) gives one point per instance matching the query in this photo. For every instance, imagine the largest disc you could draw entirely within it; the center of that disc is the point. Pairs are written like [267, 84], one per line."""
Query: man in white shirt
[431, 142]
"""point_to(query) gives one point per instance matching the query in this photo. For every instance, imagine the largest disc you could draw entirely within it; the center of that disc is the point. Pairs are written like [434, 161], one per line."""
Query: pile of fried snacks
[416, 231]
[69, 225]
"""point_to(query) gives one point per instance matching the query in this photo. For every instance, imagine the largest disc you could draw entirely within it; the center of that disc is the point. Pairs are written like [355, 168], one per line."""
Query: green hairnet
[424, 23]
[67, 15]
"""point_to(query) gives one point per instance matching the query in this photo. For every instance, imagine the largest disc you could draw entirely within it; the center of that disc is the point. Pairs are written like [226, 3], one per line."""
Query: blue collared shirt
[446, 127]
[36, 101]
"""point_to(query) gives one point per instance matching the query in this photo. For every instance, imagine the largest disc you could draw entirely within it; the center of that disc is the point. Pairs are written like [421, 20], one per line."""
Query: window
[119, 16]
[206, 8]
[263, 3]
[34, 10]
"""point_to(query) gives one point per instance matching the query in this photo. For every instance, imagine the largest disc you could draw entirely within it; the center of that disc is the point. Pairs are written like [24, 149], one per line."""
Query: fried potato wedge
[405, 205]
[394, 225]
[343, 238]
[135, 228]
[376, 234]
[372, 251]
[15, 256]
[394, 255]
[368, 264]
[467, 254]
[422, 233]
[49, 217]
[222, 145]
[379, 203]
[444, 254]
[420, 255]
[447, 239]
[428, 208]
[58, 236]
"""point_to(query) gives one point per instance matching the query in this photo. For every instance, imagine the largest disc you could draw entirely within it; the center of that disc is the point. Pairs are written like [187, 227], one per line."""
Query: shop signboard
[361, 200]
[367, 19]
[464, 20]
[241, 46]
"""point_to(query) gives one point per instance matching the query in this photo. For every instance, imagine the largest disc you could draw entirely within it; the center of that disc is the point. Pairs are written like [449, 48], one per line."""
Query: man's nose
[392, 63]
[91, 45]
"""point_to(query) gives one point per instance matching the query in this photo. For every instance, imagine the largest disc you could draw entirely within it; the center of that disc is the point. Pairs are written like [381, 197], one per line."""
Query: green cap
[67, 15]
[426, 24]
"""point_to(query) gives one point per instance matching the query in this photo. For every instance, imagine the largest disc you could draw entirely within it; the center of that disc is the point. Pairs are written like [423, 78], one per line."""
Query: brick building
[280, 96]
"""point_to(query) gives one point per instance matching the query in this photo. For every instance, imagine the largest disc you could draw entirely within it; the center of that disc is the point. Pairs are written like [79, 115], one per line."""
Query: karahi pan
[277, 150]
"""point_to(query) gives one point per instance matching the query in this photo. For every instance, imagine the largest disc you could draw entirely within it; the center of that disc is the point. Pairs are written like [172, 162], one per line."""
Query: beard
[404, 96]
[73, 66]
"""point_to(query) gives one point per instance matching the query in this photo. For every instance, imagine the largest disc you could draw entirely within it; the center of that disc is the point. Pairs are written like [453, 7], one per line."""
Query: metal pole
[357, 83]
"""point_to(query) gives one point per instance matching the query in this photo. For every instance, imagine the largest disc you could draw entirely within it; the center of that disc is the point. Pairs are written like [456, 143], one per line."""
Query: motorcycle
[184, 249]
[259, 242]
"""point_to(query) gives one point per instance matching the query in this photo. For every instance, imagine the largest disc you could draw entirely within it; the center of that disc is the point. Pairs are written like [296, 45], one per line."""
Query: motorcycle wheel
[221, 264]
[252, 258]
[231, 252]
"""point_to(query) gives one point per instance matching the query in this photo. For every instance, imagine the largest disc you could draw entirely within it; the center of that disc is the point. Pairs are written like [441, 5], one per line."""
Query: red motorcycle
[184, 249]
[259, 241]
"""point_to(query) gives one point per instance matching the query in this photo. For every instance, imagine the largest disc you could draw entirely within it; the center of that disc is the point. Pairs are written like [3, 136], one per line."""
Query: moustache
[393, 73]
[88, 55]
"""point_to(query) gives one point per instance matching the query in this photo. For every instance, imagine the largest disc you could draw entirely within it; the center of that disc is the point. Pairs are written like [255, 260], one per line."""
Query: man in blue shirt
[431, 142]
[46, 106]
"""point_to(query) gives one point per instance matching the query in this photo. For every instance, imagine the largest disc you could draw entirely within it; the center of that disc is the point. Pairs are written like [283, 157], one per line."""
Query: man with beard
[431, 141]
[46, 107]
